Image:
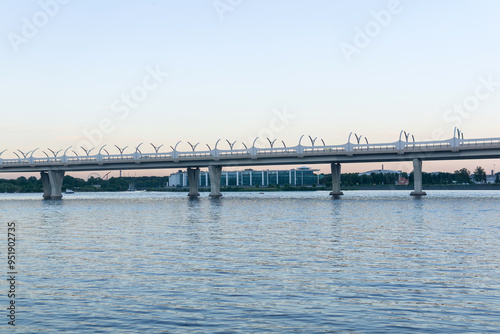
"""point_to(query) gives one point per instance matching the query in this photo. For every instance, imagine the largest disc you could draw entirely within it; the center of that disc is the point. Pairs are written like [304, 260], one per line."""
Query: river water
[372, 261]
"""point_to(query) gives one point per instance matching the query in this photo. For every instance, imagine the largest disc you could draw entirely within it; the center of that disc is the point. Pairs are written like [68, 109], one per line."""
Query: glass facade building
[303, 176]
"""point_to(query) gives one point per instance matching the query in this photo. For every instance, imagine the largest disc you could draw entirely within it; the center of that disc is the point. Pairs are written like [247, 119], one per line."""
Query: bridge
[356, 150]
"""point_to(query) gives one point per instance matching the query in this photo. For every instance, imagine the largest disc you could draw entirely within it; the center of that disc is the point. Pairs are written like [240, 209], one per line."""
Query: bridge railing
[82, 159]
[47, 160]
[400, 146]
[124, 157]
[235, 153]
[194, 155]
[374, 147]
[480, 142]
[419, 146]
[323, 149]
[15, 162]
[276, 151]
[156, 156]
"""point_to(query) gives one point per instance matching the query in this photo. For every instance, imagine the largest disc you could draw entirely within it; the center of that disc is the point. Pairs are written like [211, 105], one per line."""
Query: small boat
[69, 191]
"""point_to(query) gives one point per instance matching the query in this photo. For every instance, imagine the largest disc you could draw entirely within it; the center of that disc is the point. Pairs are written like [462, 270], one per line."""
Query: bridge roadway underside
[52, 173]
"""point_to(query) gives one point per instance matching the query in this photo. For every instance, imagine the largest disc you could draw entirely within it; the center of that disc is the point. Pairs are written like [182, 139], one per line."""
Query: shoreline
[278, 189]
[354, 188]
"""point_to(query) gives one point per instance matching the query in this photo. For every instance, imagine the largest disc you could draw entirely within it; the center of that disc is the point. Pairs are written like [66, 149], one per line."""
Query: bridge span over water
[356, 150]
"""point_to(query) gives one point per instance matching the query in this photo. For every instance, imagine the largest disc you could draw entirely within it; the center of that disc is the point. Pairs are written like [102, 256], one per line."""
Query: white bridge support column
[193, 179]
[336, 180]
[417, 178]
[52, 184]
[215, 177]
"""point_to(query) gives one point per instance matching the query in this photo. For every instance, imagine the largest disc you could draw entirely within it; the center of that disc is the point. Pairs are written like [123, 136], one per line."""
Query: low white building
[302, 176]
[380, 171]
[178, 179]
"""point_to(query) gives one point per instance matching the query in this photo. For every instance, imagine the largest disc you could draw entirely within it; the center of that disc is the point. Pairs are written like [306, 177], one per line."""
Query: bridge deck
[453, 149]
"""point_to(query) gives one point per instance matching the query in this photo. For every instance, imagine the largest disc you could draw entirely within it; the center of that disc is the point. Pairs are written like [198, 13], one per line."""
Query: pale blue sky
[227, 77]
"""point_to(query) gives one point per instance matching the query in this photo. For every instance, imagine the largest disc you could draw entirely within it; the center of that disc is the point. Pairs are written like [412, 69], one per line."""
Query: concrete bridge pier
[52, 181]
[193, 179]
[417, 178]
[215, 173]
[336, 180]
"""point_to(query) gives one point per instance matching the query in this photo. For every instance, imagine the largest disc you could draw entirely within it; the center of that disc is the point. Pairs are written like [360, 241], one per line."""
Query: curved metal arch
[358, 138]
[2, 152]
[64, 154]
[349, 138]
[32, 152]
[284, 145]
[231, 145]
[156, 148]
[246, 148]
[208, 147]
[407, 135]
[271, 143]
[253, 144]
[193, 147]
[102, 147]
[87, 152]
[75, 153]
[300, 139]
[54, 153]
[46, 154]
[216, 144]
[121, 150]
[94, 173]
[24, 154]
[175, 148]
[312, 140]
[137, 148]
[323, 142]
[17, 155]
[400, 134]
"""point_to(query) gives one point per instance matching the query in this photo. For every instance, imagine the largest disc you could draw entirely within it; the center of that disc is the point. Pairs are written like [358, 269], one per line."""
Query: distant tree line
[116, 183]
[33, 184]
[462, 176]
[21, 185]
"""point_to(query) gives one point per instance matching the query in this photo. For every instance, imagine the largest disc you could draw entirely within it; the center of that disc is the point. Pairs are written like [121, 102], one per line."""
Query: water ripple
[277, 262]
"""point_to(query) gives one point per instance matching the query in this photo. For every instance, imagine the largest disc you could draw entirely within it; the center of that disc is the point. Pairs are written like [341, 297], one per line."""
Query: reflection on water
[274, 262]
